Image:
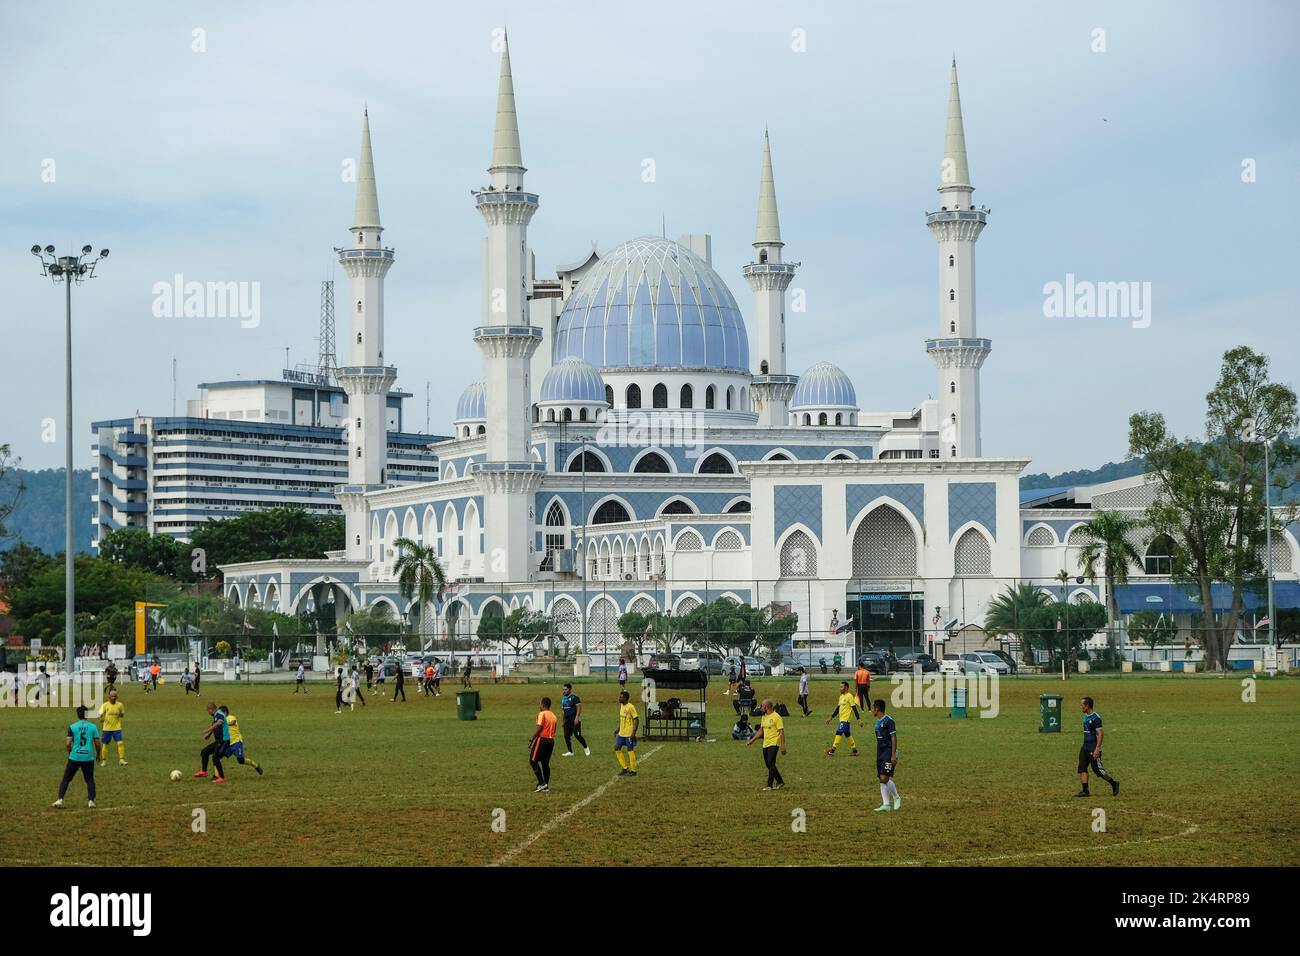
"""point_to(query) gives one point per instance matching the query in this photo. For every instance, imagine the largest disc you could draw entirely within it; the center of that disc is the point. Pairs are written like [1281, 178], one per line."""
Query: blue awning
[1183, 599]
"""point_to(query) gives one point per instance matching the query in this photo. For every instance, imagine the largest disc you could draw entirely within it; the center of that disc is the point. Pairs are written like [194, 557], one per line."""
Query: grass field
[1207, 780]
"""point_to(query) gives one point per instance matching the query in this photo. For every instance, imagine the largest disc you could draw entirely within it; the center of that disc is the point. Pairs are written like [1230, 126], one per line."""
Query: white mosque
[631, 447]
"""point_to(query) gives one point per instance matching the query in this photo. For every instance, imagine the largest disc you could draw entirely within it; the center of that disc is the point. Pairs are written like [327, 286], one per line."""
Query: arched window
[953, 453]
[651, 463]
[358, 338]
[568, 414]
[952, 327]
[728, 541]
[676, 507]
[952, 388]
[1041, 537]
[807, 419]
[710, 397]
[952, 295]
[798, 556]
[837, 418]
[821, 419]
[634, 396]
[609, 395]
[716, 464]
[659, 396]
[610, 512]
[587, 462]
[972, 556]
[690, 541]
[482, 429]
[762, 257]
[779, 456]
[884, 546]
[762, 367]
[582, 414]
[841, 457]
[741, 507]
[556, 538]
[731, 397]
[550, 414]
[1160, 556]
[688, 397]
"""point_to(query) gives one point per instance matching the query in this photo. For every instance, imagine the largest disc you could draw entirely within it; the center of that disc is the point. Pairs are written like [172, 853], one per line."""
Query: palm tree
[419, 575]
[1107, 543]
[1012, 612]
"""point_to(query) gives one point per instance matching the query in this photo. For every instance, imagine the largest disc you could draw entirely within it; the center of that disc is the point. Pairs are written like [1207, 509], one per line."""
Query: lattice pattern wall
[1281, 554]
[798, 556]
[972, 555]
[884, 546]
[1041, 537]
[728, 541]
[602, 628]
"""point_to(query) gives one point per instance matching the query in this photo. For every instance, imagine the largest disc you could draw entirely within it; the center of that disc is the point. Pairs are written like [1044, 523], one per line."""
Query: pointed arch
[688, 540]
[677, 505]
[798, 554]
[973, 553]
[611, 509]
[886, 542]
[597, 460]
[1040, 536]
[717, 461]
[653, 461]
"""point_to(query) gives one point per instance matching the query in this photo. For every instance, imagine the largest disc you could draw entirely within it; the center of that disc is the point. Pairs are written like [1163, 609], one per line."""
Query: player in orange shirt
[541, 745]
[862, 677]
[154, 671]
[428, 680]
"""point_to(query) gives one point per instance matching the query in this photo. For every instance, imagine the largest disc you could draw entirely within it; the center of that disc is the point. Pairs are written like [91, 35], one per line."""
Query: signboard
[117, 652]
[36, 645]
[305, 378]
[1270, 658]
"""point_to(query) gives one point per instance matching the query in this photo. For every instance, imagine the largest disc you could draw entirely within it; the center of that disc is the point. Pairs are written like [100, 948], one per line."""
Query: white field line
[564, 815]
[1189, 829]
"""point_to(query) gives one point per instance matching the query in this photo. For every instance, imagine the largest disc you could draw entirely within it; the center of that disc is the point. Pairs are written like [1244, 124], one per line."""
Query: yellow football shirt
[772, 727]
[112, 715]
[847, 703]
[626, 718]
[232, 724]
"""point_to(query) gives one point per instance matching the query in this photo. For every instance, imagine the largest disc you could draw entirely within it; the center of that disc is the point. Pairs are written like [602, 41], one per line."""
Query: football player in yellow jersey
[846, 710]
[111, 713]
[625, 736]
[235, 744]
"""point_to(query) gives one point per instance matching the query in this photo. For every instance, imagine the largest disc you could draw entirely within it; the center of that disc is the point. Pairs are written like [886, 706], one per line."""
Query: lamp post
[1250, 434]
[69, 270]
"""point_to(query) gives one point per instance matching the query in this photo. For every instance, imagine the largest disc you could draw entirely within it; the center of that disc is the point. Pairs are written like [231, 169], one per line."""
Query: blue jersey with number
[885, 730]
[569, 704]
[1091, 724]
[83, 734]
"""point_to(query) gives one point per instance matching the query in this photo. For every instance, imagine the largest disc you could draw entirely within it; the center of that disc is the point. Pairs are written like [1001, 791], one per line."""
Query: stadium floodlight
[70, 270]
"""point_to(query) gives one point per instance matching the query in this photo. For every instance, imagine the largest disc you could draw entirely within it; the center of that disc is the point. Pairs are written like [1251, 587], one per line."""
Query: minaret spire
[769, 223]
[505, 140]
[955, 173]
[367, 211]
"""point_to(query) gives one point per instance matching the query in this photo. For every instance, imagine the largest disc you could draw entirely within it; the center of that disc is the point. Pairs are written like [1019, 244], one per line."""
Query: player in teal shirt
[83, 750]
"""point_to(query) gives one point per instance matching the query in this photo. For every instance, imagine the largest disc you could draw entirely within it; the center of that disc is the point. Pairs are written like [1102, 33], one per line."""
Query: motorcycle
[822, 662]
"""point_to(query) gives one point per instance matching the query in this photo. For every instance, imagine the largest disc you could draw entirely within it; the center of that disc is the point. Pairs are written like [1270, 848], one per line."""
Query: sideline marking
[564, 815]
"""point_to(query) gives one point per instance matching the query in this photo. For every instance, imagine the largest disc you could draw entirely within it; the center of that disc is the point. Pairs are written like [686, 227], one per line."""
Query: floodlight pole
[68, 270]
[1268, 547]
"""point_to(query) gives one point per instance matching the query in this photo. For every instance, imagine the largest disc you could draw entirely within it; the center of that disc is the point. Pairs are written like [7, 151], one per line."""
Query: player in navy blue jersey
[1090, 752]
[886, 758]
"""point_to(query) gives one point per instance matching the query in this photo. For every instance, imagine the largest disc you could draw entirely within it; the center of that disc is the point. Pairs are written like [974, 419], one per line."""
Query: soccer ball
[175, 775]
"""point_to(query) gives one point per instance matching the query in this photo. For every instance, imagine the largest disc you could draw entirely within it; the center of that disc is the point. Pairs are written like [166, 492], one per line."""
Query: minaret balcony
[958, 352]
[508, 341]
[346, 254]
[506, 207]
[980, 215]
[769, 268]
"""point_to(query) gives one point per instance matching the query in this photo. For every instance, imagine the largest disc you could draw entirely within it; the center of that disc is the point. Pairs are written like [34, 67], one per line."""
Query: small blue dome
[824, 386]
[653, 303]
[573, 380]
[473, 404]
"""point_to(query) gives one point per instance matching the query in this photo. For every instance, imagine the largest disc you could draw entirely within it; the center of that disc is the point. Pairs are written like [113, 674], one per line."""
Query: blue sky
[1122, 165]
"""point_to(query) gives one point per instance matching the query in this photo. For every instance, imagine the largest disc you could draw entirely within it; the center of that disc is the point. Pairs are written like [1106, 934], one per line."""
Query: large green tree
[1107, 545]
[725, 625]
[273, 534]
[1210, 496]
[1011, 614]
[156, 553]
[519, 630]
[420, 577]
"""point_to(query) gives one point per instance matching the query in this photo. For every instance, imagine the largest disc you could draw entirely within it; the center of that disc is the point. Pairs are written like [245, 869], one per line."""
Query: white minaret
[365, 378]
[957, 353]
[508, 476]
[769, 277]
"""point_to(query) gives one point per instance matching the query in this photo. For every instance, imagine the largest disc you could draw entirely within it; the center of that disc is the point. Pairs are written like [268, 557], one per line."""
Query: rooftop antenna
[173, 386]
[663, 225]
[328, 357]
[426, 407]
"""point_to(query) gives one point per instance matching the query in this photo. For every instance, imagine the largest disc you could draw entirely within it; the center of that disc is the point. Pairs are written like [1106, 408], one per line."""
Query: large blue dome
[573, 380]
[473, 404]
[824, 386]
[652, 303]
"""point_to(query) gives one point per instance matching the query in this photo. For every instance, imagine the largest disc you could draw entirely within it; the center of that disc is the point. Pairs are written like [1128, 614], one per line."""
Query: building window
[660, 396]
[972, 556]
[952, 261]
[798, 556]
[609, 395]
[582, 414]
[634, 396]
[954, 452]
[1041, 537]
[716, 464]
[1160, 556]
[837, 418]
[821, 419]
[728, 541]
[952, 388]
[610, 512]
[688, 397]
[952, 295]
[568, 414]
[807, 419]
[587, 462]
[676, 507]
[741, 507]
[952, 327]
[710, 398]
[651, 463]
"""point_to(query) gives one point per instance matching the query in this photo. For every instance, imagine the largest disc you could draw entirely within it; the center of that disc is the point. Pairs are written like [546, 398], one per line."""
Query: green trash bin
[467, 702]
[1049, 713]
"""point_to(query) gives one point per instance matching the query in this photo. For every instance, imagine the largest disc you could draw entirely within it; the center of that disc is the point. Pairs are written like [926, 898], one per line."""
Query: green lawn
[1207, 780]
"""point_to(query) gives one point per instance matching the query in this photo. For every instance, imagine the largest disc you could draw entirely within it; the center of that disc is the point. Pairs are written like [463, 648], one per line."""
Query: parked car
[708, 661]
[754, 666]
[664, 662]
[984, 662]
[1006, 659]
[909, 661]
[877, 662]
[951, 664]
